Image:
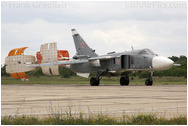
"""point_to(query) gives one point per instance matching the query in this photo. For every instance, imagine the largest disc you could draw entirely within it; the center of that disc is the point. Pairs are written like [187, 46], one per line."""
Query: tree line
[174, 71]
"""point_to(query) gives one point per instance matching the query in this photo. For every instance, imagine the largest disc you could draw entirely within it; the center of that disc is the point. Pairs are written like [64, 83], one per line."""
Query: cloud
[105, 26]
[89, 12]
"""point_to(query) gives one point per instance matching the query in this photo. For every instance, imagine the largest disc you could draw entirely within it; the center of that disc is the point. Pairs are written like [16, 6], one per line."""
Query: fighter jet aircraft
[124, 62]
[86, 61]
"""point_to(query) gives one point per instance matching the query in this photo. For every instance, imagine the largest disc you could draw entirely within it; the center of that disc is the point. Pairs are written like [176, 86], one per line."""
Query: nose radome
[161, 63]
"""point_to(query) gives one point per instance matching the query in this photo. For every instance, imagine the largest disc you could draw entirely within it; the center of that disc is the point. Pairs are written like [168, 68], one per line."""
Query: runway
[35, 99]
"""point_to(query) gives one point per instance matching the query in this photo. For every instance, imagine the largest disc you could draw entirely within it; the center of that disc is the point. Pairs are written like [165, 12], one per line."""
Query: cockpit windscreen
[146, 52]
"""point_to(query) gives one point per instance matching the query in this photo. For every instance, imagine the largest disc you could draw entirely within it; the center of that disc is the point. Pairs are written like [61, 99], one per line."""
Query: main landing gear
[95, 81]
[124, 81]
[149, 81]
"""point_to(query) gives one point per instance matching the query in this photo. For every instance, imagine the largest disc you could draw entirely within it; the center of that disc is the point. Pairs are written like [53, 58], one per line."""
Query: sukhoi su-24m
[86, 61]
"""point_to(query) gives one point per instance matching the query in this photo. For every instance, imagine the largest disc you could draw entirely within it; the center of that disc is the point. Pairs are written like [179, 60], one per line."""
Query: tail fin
[81, 47]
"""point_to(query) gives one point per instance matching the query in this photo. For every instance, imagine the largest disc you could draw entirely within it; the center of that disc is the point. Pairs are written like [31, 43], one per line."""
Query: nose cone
[161, 63]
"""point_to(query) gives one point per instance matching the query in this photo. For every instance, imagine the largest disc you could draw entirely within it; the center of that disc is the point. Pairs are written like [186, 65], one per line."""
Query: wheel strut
[95, 81]
[124, 81]
[149, 81]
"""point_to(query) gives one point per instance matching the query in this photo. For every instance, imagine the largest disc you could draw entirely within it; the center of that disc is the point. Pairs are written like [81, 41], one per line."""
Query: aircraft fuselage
[136, 60]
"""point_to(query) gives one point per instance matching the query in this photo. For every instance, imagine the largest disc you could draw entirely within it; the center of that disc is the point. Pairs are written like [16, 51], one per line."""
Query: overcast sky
[105, 26]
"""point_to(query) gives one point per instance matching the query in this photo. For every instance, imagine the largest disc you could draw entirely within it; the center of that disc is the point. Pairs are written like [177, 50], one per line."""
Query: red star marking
[82, 45]
[132, 60]
[118, 61]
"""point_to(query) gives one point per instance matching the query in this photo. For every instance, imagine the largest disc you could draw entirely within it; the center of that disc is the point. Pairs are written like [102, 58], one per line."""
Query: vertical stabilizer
[81, 46]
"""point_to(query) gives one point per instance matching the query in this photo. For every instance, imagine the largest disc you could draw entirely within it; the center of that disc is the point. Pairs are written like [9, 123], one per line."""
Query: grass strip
[104, 80]
[100, 119]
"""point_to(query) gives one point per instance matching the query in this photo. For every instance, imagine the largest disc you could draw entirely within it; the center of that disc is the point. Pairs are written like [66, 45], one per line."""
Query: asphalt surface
[35, 99]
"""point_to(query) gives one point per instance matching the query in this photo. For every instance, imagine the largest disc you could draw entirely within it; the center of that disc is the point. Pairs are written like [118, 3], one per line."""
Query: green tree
[65, 72]
[3, 71]
[175, 70]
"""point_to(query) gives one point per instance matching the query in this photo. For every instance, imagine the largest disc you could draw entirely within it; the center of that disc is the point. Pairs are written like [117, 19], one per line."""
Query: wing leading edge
[105, 57]
[57, 63]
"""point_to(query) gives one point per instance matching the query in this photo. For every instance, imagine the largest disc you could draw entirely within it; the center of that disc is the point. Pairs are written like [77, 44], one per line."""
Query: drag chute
[16, 62]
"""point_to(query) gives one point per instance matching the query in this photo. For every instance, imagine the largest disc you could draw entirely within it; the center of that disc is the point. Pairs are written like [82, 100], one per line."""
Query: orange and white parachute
[16, 59]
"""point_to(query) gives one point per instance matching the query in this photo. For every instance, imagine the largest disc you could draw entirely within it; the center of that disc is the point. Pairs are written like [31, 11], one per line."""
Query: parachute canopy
[16, 60]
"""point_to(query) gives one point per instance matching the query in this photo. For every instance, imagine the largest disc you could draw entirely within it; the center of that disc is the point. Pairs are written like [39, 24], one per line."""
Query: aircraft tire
[127, 81]
[148, 82]
[94, 82]
[124, 81]
[97, 84]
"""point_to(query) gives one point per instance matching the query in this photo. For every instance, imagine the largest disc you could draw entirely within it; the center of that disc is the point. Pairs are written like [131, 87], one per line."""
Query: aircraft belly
[106, 65]
[83, 68]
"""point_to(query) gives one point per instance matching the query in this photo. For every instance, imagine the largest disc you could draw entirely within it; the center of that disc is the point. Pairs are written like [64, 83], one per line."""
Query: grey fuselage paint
[125, 61]
[135, 60]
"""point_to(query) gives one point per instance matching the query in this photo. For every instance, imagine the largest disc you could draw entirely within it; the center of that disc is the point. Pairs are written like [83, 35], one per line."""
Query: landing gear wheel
[148, 82]
[97, 82]
[124, 81]
[94, 82]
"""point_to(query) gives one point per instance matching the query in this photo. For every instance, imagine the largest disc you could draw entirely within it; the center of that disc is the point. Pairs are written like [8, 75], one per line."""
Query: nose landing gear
[149, 81]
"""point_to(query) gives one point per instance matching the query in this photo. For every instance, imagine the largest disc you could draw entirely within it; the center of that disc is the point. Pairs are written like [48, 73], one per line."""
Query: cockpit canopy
[146, 52]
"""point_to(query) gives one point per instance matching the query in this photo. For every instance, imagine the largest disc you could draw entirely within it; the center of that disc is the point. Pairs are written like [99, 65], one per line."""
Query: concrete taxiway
[165, 100]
